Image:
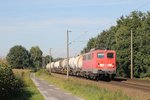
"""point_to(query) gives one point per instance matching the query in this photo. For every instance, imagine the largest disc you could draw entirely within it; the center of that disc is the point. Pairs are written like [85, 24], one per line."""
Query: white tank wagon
[80, 61]
[64, 63]
[56, 64]
[61, 64]
[48, 66]
[75, 64]
[52, 65]
[71, 63]
[78, 65]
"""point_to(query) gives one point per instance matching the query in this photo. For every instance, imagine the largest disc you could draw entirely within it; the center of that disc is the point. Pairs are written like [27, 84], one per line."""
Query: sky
[44, 23]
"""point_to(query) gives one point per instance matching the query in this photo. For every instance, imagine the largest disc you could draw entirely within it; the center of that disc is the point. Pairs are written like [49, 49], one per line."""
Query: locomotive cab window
[100, 55]
[110, 55]
[89, 57]
[84, 57]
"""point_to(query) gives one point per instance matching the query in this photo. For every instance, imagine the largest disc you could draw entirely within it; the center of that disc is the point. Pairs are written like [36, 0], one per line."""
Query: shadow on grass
[22, 95]
[115, 79]
[118, 79]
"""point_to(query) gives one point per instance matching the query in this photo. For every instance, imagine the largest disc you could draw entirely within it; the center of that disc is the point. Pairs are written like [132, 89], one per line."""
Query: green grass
[29, 91]
[146, 78]
[82, 89]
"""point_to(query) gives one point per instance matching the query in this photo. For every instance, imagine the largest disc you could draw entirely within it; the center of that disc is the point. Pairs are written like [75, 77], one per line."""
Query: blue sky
[44, 23]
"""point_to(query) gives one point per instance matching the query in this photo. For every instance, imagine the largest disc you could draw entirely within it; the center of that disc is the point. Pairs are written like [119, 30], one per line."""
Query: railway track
[125, 83]
[136, 86]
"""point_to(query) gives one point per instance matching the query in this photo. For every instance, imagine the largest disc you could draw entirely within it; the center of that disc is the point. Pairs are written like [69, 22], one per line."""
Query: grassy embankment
[146, 78]
[29, 91]
[83, 89]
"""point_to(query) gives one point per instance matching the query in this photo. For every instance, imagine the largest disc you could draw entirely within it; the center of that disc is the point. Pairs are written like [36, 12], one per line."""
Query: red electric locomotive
[99, 63]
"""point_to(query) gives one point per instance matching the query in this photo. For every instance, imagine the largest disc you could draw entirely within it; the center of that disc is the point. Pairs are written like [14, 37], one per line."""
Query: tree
[18, 57]
[36, 57]
[118, 38]
[47, 59]
[57, 59]
[91, 44]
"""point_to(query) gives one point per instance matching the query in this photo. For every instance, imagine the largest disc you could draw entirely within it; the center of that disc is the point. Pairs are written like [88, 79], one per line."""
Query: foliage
[18, 57]
[47, 58]
[36, 57]
[118, 38]
[57, 59]
[91, 44]
[9, 84]
[29, 91]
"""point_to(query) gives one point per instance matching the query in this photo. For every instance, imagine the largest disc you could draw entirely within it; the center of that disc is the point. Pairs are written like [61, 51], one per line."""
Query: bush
[9, 84]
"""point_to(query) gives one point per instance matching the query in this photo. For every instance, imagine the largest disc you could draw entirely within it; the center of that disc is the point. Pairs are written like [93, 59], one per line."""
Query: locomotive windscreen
[110, 55]
[100, 55]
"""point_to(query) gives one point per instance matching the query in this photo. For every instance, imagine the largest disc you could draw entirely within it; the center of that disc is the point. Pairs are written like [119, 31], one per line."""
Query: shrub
[9, 84]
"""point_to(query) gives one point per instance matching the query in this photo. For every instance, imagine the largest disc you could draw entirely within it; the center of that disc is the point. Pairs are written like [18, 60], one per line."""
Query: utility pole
[131, 56]
[50, 58]
[43, 62]
[68, 54]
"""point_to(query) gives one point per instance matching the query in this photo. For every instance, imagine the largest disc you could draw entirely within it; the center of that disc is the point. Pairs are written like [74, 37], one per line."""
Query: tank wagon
[94, 64]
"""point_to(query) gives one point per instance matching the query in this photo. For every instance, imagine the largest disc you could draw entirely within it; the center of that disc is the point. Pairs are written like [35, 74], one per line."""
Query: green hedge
[9, 84]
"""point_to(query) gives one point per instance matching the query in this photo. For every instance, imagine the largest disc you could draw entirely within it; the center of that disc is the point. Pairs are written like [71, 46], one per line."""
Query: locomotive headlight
[101, 65]
[110, 65]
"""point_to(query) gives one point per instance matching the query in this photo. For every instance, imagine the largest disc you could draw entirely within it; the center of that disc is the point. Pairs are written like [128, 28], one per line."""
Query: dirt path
[51, 92]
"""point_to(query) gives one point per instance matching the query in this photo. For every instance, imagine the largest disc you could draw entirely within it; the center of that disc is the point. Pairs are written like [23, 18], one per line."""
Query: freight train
[95, 64]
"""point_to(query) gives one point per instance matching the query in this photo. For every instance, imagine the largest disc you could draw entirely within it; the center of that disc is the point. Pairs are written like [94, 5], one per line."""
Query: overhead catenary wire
[77, 38]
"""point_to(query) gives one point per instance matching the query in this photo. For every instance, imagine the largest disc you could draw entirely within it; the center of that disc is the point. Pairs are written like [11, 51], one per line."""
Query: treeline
[20, 57]
[118, 38]
[11, 85]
